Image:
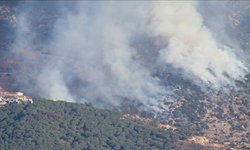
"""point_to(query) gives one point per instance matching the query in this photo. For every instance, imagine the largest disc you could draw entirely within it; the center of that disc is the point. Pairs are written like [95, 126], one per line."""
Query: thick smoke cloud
[91, 48]
[190, 45]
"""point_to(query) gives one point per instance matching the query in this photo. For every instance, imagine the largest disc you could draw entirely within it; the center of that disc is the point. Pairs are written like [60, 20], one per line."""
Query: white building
[19, 93]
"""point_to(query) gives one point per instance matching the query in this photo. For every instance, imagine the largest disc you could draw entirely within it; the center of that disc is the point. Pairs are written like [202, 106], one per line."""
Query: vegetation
[47, 124]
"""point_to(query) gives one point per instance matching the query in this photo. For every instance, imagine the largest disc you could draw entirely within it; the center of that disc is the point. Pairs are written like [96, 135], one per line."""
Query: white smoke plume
[51, 80]
[91, 47]
[190, 45]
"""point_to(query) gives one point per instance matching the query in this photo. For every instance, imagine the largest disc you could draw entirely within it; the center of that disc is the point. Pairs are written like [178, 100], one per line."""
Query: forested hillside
[49, 124]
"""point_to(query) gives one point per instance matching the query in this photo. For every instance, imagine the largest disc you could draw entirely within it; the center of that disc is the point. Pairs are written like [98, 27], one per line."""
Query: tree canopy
[61, 125]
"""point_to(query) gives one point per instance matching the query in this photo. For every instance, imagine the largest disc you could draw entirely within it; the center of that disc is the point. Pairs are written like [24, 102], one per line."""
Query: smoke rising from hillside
[190, 45]
[91, 49]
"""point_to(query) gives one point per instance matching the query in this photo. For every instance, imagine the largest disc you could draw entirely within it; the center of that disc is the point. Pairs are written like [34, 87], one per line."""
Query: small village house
[19, 93]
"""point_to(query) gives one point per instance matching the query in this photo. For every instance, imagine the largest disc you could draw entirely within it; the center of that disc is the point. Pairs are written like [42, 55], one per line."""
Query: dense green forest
[49, 124]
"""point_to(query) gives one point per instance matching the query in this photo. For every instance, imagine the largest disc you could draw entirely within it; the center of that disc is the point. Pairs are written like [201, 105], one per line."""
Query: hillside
[221, 118]
[195, 116]
[47, 124]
